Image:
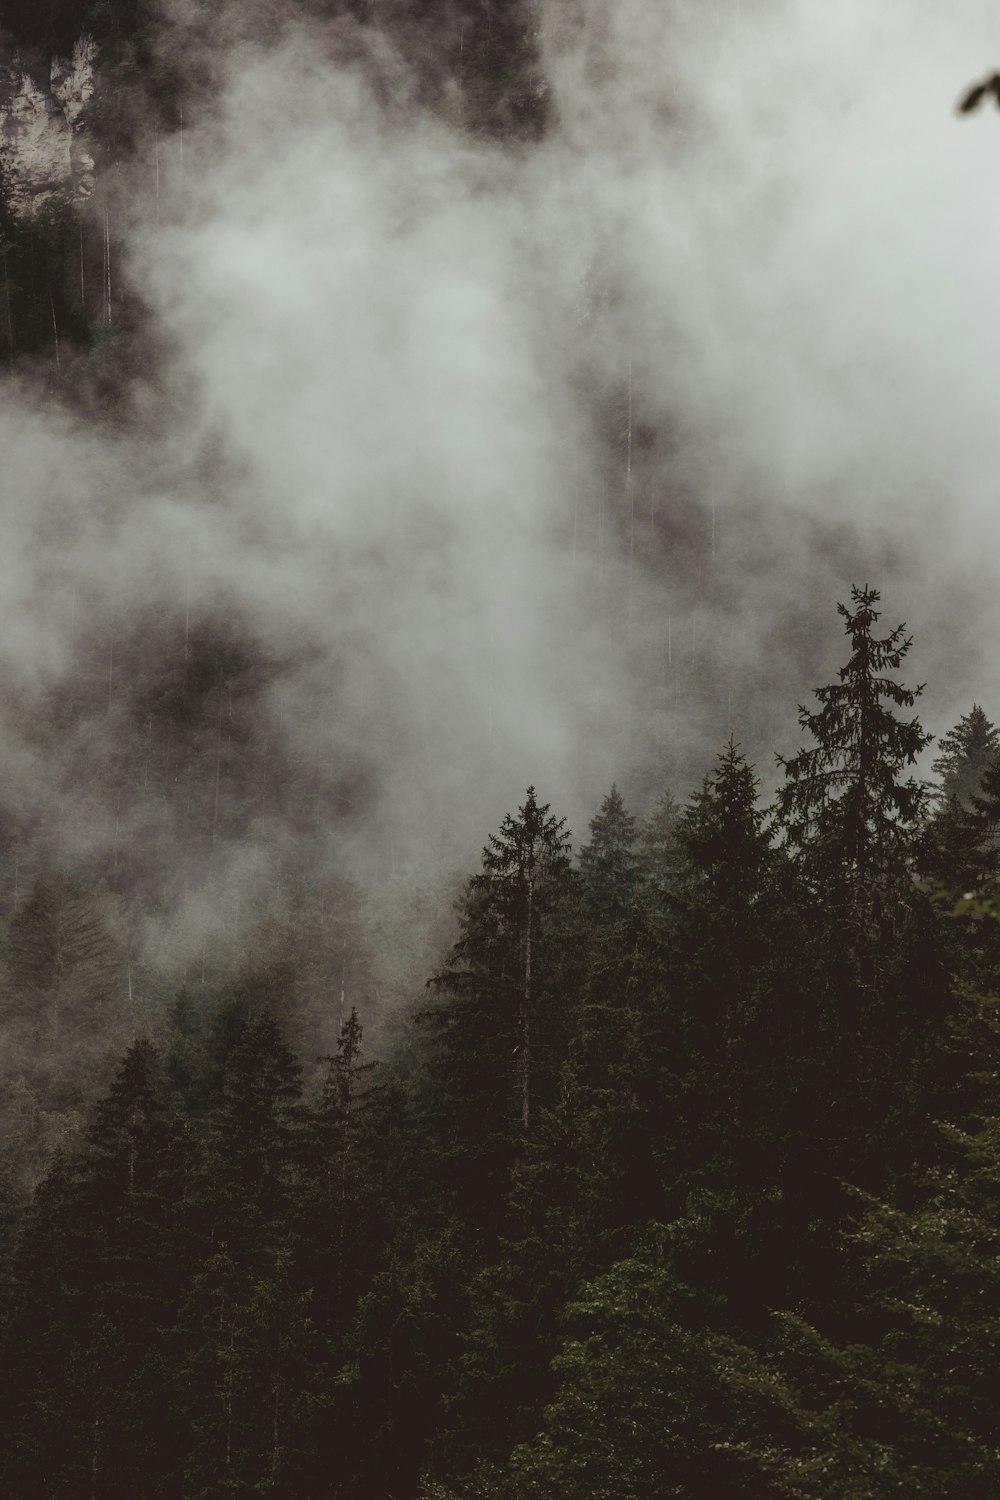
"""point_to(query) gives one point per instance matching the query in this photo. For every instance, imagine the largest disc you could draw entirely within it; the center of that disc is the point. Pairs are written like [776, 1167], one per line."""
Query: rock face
[43, 148]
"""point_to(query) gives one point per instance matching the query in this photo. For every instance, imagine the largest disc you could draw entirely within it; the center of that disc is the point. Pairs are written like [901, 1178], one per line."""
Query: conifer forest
[499, 915]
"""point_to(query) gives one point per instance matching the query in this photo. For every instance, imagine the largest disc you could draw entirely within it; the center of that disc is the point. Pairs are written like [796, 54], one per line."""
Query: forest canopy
[684, 1172]
[455, 420]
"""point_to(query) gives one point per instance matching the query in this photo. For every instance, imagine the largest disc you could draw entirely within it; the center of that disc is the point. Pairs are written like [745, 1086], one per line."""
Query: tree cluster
[683, 1180]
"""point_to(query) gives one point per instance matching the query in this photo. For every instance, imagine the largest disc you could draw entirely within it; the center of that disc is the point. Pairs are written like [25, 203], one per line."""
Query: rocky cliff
[43, 138]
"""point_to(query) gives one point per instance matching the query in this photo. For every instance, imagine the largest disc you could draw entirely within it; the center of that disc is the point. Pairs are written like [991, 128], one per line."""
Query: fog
[514, 460]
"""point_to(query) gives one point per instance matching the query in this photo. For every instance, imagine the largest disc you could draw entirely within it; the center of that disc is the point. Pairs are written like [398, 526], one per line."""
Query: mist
[460, 462]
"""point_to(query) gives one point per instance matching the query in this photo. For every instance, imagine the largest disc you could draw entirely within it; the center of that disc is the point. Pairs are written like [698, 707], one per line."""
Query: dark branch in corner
[975, 96]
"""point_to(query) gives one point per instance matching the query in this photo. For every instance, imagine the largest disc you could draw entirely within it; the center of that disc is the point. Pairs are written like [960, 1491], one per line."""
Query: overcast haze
[545, 461]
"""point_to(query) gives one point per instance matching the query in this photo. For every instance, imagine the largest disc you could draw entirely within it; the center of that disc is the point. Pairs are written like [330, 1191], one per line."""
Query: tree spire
[845, 803]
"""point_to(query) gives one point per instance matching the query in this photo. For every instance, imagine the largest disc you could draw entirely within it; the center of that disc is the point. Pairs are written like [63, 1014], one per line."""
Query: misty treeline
[682, 1178]
[67, 305]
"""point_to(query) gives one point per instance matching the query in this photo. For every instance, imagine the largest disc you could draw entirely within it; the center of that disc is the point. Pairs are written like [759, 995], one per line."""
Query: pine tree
[658, 853]
[608, 865]
[957, 847]
[94, 1294]
[844, 807]
[905, 1404]
[874, 986]
[245, 1380]
[985, 823]
[964, 754]
[566, 1198]
[638, 1411]
[259, 1114]
[723, 838]
[338, 1211]
[523, 869]
[498, 1029]
[254, 1137]
[702, 1037]
[986, 802]
[65, 978]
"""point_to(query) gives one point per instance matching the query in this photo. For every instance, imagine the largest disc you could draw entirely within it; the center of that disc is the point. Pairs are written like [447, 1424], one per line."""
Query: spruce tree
[339, 1207]
[637, 1412]
[985, 817]
[847, 812]
[497, 1030]
[965, 753]
[957, 846]
[875, 989]
[699, 1041]
[259, 1118]
[608, 865]
[658, 854]
[94, 1295]
[895, 1394]
[523, 868]
[65, 978]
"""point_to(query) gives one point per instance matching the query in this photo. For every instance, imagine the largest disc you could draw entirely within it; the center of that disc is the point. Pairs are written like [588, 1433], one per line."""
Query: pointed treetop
[534, 838]
[966, 754]
[341, 1089]
[608, 863]
[659, 851]
[721, 832]
[844, 799]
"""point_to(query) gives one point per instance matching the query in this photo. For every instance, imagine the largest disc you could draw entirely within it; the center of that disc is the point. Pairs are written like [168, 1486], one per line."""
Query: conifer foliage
[683, 1181]
[495, 1028]
[964, 756]
[608, 864]
[845, 802]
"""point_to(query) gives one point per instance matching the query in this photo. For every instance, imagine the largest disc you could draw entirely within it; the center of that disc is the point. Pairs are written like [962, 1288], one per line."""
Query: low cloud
[469, 462]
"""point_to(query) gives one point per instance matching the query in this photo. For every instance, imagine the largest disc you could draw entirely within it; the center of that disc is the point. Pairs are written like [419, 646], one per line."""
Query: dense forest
[682, 1179]
[660, 1162]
